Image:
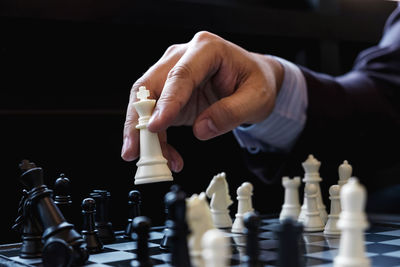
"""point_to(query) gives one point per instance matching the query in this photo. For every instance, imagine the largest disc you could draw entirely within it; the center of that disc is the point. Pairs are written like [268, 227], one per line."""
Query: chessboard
[382, 243]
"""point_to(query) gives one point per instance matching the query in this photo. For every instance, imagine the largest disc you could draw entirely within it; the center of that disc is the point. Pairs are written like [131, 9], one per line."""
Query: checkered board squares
[382, 243]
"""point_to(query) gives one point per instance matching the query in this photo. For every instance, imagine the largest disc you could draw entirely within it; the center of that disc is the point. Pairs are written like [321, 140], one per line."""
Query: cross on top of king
[143, 93]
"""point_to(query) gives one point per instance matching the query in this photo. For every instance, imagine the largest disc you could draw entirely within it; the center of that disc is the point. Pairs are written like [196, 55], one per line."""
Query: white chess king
[152, 166]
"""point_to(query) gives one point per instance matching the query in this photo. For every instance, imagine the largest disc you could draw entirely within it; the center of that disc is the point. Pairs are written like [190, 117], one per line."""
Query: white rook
[291, 204]
[152, 166]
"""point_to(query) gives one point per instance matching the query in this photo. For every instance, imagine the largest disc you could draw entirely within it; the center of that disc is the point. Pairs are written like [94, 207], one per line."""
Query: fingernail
[173, 165]
[212, 127]
[206, 129]
[125, 146]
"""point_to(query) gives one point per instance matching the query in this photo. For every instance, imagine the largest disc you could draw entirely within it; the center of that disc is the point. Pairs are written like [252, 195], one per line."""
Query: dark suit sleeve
[354, 117]
[369, 91]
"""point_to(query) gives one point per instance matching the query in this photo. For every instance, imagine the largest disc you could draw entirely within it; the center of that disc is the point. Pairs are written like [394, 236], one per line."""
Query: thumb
[246, 105]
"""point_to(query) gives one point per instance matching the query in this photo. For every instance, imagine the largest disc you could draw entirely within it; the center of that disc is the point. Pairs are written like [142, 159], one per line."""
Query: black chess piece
[103, 224]
[134, 202]
[179, 230]
[251, 221]
[290, 248]
[62, 196]
[165, 243]
[63, 246]
[89, 232]
[26, 165]
[30, 229]
[141, 226]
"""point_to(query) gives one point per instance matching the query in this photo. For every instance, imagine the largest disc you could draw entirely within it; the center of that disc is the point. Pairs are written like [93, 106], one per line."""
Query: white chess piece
[311, 168]
[218, 191]
[291, 204]
[331, 225]
[352, 222]
[312, 221]
[250, 200]
[198, 216]
[244, 197]
[216, 249]
[152, 166]
[345, 172]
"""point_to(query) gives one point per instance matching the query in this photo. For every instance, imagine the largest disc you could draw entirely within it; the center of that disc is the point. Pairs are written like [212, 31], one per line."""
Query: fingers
[153, 79]
[200, 61]
[252, 101]
[248, 104]
[175, 161]
[130, 147]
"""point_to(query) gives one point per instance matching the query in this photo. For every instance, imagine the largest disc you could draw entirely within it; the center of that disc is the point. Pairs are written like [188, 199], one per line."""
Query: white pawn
[250, 201]
[291, 205]
[216, 249]
[352, 222]
[345, 172]
[152, 166]
[244, 197]
[312, 221]
[331, 225]
[311, 167]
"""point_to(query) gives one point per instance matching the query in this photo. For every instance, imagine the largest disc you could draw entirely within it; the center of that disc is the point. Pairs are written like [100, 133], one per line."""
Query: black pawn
[290, 246]
[134, 202]
[89, 232]
[62, 196]
[251, 221]
[103, 224]
[165, 243]
[179, 230]
[141, 226]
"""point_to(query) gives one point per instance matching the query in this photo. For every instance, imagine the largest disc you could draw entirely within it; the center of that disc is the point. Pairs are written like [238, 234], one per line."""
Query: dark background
[66, 69]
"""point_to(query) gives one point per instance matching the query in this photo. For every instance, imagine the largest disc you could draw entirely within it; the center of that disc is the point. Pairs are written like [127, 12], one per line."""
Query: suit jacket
[354, 117]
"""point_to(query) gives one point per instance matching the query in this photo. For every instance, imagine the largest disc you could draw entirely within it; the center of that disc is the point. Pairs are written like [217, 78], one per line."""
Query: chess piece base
[351, 262]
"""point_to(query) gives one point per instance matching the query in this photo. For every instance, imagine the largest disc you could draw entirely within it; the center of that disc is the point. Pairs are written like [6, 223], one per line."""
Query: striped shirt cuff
[279, 131]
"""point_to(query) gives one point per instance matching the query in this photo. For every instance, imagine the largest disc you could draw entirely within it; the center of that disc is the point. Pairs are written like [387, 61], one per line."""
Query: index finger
[153, 79]
[200, 61]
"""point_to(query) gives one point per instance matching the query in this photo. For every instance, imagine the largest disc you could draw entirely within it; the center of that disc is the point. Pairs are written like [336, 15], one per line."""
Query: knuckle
[172, 49]
[130, 123]
[204, 36]
[208, 42]
[180, 72]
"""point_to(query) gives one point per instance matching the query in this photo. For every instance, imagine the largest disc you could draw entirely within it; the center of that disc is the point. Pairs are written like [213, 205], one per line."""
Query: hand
[209, 83]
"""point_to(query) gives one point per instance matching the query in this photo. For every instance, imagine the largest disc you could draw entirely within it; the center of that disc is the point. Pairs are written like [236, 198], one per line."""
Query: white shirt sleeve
[279, 131]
